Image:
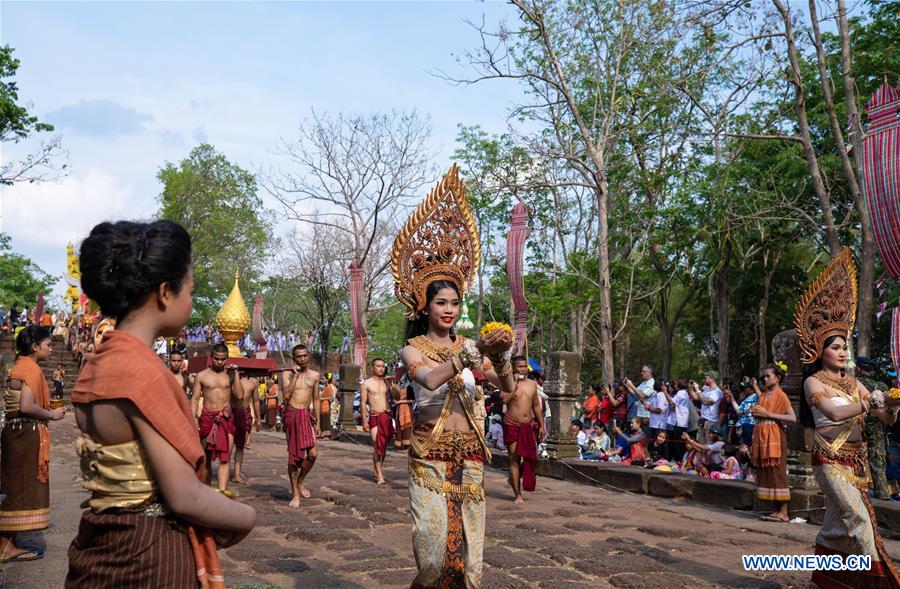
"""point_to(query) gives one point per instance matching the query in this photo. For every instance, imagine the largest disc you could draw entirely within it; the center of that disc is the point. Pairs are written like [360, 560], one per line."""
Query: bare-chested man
[246, 417]
[214, 387]
[523, 427]
[300, 391]
[176, 365]
[376, 415]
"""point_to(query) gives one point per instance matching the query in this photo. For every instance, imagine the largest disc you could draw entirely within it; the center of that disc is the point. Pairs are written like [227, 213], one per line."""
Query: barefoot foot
[295, 502]
[519, 500]
[303, 492]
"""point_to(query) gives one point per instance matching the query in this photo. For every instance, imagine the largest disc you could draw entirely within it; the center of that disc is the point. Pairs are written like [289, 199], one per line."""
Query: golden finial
[233, 319]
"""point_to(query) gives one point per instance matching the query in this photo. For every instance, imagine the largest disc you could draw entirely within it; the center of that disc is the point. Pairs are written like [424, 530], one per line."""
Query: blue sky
[130, 86]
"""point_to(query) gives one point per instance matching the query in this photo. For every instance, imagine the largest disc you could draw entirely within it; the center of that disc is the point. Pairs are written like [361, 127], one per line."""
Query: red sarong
[524, 436]
[385, 426]
[301, 436]
[214, 429]
[243, 423]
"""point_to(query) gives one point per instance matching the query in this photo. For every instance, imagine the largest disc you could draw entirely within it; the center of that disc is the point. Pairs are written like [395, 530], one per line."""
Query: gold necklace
[437, 352]
[845, 383]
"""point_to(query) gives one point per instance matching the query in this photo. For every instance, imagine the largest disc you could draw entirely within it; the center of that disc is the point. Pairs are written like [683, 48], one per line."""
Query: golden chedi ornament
[233, 319]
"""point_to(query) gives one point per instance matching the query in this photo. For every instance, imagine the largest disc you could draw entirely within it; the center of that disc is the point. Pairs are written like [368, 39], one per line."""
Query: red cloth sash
[243, 423]
[214, 429]
[385, 432]
[301, 436]
[524, 436]
[123, 367]
[27, 370]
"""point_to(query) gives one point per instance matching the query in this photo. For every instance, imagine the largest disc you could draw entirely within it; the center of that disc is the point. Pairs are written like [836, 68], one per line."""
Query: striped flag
[515, 254]
[881, 175]
[357, 309]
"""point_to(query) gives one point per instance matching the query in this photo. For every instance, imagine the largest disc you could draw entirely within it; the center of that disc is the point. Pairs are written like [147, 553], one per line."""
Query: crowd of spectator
[677, 426]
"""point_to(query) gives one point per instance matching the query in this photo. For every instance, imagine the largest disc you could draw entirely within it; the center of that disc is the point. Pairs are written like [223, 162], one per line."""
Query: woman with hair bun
[25, 443]
[151, 522]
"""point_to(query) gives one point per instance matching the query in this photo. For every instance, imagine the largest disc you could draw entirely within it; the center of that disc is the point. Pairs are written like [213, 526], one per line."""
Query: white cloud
[56, 213]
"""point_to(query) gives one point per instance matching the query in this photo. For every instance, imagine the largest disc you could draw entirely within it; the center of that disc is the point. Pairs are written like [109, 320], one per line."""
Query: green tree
[216, 201]
[16, 124]
[22, 280]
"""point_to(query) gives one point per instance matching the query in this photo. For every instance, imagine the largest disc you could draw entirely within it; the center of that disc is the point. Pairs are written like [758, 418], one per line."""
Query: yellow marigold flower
[493, 325]
[894, 393]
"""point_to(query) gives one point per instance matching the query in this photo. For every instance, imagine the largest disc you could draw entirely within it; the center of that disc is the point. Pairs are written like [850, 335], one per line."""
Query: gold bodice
[11, 399]
[117, 475]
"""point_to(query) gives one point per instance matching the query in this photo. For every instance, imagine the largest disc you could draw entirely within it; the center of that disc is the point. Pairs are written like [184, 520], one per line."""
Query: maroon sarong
[385, 430]
[214, 429]
[524, 436]
[243, 423]
[301, 436]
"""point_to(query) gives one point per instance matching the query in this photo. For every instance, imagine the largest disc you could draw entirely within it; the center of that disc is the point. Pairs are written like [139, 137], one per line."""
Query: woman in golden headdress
[434, 261]
[835, 403]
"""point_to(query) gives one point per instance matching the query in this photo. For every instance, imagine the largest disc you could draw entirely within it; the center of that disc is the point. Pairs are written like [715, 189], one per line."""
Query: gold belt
[466, 493]
[453, 446]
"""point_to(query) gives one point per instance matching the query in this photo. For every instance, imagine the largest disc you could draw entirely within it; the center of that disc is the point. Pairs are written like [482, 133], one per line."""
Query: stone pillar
[800, 474]
[349, 376]
[563, 385]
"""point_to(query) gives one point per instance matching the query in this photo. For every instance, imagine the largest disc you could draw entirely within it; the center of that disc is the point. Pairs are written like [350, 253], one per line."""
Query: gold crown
[828, 308]
[438, 242]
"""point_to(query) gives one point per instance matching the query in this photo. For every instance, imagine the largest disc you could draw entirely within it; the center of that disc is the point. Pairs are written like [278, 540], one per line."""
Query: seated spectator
[731, 468]
[632, 450]
[576, 430]
[601, 440]
[709, 455]
[496, 432]
[690, 463]
[658, 448]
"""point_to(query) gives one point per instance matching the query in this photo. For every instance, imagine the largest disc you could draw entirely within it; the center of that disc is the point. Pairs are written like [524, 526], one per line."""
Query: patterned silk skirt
[849, 526]
[446, 493]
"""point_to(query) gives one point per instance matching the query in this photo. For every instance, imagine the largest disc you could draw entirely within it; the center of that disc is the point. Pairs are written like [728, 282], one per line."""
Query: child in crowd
[731, 468]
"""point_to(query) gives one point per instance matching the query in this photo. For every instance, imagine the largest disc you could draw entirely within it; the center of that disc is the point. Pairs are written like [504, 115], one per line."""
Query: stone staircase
[61, 355]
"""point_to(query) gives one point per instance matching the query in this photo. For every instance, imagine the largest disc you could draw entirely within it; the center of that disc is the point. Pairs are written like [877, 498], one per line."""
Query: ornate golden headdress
[438, 242]
[828, 308]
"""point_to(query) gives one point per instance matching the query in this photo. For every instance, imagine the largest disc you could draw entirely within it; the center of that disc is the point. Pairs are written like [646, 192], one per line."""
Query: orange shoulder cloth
[28, 371]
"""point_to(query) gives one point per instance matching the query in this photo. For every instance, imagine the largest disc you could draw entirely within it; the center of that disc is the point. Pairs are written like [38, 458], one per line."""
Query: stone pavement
[351, 534]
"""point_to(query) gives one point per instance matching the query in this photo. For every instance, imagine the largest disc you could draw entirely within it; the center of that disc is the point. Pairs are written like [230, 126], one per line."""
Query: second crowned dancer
[434, 261]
